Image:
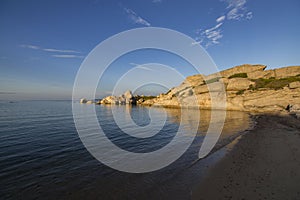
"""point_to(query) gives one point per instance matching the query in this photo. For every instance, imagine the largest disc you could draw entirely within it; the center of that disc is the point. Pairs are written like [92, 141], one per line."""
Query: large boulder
[294, 109]
[128, 95]
[246, 68]
[261, 74]
[83, 100]
[90, 102]
[294, 85]
[276, 73]
[212, 87]
[122, 99]
[237, 84]
[201, 89]
[129, 98]
[287, 71]
[126, 98]
[270, 100]
[194, 80]
[110, 100]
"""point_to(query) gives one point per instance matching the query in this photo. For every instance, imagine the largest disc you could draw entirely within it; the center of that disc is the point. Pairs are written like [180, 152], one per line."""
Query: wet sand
[264, 164]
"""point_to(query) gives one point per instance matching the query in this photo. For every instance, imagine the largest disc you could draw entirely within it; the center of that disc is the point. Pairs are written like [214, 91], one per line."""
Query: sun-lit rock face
[246, 68]
[90, 102]
[129, 98]
[247, 87]
[126, 98]
[110, 100]
[236, 84]
[194, 80]
[294, 85]
[294, 109]
[83, 100]
[287, 71]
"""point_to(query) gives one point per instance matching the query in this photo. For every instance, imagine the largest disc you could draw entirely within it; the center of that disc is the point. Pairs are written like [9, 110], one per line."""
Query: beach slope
[264, 164]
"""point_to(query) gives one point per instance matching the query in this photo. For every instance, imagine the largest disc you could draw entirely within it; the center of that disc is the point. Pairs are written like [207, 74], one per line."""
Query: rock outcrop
[294, 85]
[247, 88]
[294, 109]
[83, 100]
[237, 84]
[126, 98]
[90, 102]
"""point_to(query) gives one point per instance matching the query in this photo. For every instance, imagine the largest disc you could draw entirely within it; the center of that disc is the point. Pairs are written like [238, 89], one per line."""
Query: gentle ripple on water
[41, 155]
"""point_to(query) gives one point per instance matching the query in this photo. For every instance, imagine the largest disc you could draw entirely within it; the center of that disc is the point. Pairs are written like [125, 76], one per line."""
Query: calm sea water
[41, 155]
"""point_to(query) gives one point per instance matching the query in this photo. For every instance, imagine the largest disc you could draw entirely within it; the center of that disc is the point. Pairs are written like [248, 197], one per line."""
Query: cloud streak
[66, 56]
[60, 50]
[66, 53]
[209, 36]
[220, 19]
[238, 10]
[28, 46]
[156, 1]
[139, 66]
[144, 68]
[136, 19]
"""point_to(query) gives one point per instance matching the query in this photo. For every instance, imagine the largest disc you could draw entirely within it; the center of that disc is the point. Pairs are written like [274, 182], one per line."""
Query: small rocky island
[125, 99]
[248, 88]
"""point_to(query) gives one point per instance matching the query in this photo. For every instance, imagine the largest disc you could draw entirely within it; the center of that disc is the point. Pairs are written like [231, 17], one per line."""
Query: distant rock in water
[83, 100]
[247, 87]
[109, 100]
[126, 98]
[90, 102]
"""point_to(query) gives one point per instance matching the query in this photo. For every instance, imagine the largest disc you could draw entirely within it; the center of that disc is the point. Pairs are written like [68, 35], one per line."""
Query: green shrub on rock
[239, 75]
[273, 83]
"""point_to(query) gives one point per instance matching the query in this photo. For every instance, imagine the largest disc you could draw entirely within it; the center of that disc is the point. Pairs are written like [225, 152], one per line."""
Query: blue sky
[43, 43]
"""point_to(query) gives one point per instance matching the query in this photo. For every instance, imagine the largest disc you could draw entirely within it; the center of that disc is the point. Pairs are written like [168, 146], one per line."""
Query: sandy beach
[264, 164]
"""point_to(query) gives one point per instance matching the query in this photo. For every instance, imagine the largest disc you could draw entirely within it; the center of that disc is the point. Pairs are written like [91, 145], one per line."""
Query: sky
[44, 43]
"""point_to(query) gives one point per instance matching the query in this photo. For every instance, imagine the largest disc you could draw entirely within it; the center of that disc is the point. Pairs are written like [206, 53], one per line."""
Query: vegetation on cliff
[247, 87]
[239, 75]
[273, 83]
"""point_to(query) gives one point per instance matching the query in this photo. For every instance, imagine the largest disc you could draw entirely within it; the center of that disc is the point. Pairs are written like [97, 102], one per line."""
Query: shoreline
[263, 164]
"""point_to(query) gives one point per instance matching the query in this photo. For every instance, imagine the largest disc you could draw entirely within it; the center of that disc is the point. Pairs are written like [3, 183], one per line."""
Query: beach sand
[264, 164]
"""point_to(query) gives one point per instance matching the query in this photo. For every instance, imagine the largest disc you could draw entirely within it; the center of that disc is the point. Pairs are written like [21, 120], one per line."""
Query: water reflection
[149, 120]
[235, 121]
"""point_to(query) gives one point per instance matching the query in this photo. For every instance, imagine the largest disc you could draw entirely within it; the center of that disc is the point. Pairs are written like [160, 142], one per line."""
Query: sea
[42, 156]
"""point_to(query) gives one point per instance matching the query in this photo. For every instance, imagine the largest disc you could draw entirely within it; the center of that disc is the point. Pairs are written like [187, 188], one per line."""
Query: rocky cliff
[245, 87]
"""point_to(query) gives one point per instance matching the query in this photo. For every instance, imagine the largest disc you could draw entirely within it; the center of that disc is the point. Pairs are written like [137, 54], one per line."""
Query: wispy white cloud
[237, 10]
[249, 15]
[220, 19]
[144, 68]
[213, 28]
[29, 46]
[51, 50]
[66, 56]
[136, 18]
[197, 42]
[139, 66]
[209, 36]
[156, 1]
[134, 64]
[61, 50]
